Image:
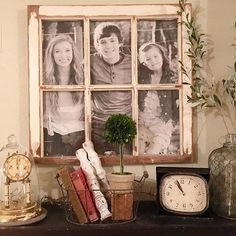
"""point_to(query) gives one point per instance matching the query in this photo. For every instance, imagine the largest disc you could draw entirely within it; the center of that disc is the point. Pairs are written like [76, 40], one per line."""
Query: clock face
[184, 193]
[17, 167]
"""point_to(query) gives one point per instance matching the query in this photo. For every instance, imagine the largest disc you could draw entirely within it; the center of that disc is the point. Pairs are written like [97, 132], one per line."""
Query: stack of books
[80, 197]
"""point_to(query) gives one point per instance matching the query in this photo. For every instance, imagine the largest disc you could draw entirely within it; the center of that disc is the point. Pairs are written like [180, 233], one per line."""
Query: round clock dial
[17, 167]
[184, 193]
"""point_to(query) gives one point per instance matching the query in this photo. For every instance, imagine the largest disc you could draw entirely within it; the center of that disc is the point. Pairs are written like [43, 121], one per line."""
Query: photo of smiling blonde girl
[63, 111]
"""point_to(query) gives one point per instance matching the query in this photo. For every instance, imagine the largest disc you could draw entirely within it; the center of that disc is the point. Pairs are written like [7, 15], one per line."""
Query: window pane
[104, 104]
[110, 46]
[157, 51]
[63, 123]
[159, 122]
[62, 50]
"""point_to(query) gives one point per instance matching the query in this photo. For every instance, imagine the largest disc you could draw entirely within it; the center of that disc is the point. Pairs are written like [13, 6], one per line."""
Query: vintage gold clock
[17, 167]
[183, 191]
[19, 196]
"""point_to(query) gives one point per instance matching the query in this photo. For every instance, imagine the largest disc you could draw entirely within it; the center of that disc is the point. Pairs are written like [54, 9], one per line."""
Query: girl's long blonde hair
[49, 77]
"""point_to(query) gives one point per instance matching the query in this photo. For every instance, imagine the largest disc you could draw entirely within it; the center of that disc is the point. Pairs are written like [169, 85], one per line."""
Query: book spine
[86, 198]
[72, 194]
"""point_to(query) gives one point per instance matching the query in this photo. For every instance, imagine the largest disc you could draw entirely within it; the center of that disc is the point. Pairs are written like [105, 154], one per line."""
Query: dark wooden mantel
[147, 223]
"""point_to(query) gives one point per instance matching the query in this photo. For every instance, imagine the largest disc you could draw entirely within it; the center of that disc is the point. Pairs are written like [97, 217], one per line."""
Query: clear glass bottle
[222, 164]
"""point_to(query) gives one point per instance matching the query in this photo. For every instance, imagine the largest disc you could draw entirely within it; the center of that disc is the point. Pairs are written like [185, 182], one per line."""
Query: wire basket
[127, 199]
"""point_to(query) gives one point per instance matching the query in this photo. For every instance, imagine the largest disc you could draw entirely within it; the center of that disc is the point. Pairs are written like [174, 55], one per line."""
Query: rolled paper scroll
[96, 163]
[93, 183]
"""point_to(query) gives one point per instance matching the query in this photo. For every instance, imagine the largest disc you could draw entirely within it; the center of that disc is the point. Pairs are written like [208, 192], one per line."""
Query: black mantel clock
[183, 192]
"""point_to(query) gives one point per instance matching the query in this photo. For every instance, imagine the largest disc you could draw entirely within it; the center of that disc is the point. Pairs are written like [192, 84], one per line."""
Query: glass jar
[222, 164]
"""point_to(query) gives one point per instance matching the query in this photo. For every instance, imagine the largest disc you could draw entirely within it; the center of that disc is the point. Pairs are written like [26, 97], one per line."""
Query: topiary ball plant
[120, 129]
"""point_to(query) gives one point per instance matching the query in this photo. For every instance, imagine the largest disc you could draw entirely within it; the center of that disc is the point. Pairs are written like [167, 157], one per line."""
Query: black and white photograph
[110, 65]
[157, 51]
[63, 111]
[63, 122]
[106, 103]
[110, 49]
[157, 65]
[98, 62]
[62, 47]
[159, 126]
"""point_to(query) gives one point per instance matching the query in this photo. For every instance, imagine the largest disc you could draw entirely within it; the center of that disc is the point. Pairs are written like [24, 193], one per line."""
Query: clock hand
[17, 163]
[179, 187]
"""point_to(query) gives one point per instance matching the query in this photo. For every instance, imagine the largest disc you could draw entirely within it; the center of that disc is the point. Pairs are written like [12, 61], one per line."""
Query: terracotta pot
[120, 182]
[121, 195]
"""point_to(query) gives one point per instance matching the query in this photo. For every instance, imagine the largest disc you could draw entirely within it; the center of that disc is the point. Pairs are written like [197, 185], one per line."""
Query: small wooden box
[122, 205]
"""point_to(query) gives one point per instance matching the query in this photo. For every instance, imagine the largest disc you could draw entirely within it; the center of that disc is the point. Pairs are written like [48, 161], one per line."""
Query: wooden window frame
[39, 13]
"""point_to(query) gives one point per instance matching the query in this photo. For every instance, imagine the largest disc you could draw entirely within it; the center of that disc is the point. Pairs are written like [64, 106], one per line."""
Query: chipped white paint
[116, 10]
[33, 55]
[187, 109]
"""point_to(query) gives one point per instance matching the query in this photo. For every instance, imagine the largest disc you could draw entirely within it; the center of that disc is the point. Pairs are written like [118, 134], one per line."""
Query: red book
[85, 196]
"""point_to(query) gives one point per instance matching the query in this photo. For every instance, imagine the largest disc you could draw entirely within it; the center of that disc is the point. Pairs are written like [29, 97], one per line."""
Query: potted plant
[120, 129]
[216, 96]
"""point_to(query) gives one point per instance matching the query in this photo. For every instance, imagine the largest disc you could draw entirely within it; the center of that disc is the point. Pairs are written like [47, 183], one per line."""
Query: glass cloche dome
[19, 195]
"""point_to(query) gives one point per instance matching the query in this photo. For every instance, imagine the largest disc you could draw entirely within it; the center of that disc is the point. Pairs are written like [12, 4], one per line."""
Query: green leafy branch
[202, 93]
[230, 83]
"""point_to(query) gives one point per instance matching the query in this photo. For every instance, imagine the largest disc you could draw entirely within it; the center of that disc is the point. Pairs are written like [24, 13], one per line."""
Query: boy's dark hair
[105, 30]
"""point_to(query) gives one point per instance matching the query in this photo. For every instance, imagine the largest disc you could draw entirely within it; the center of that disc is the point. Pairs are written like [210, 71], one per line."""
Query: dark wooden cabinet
[147, 223]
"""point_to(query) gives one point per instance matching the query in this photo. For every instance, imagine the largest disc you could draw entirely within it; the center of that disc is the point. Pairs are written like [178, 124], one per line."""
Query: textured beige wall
[216, 18]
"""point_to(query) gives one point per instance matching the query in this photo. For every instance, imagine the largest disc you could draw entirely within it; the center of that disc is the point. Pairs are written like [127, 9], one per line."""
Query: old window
[88, 62]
